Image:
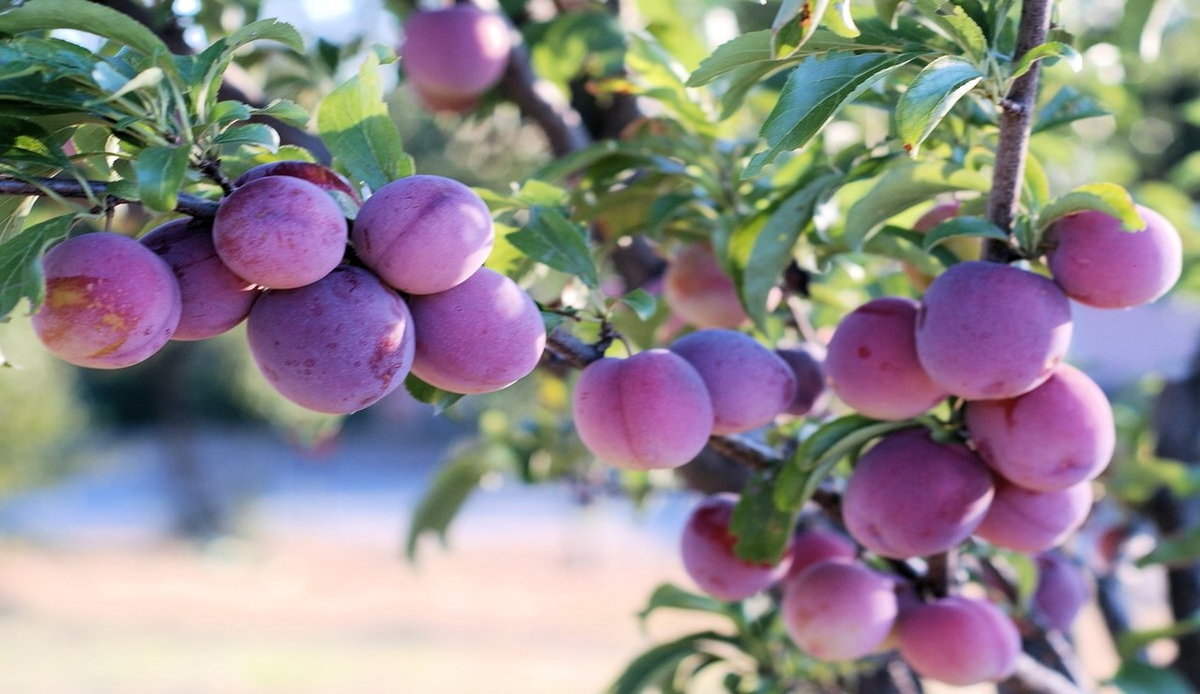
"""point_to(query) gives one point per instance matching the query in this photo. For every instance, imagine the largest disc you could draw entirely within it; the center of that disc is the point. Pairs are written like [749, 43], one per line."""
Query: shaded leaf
[430, 395]
[1143, 678]
[1130, 642]
[762, 528]
[1053, 49]
[886, 9]
[286, 111]
[903, 184]
[553, 240]
[250, 134]
[748, 48]
[643, 672]
[160, 172]
[958, 227]
[1067, 106]
[795, 23]
[642, 302]
[930, 97]
[672, 596]
[21, 275]
[456, 479]
[88, 17]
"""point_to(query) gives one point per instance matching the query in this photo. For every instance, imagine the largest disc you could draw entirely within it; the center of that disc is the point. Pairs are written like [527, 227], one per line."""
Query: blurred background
[173, 527]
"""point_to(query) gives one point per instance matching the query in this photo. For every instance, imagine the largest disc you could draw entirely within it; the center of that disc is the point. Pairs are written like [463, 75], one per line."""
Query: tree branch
[1031, 677]
[538, 102]
[188, 204]
[1016, 119]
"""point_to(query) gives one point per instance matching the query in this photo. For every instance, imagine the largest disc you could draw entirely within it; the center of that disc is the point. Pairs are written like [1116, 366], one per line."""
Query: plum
[696, 289]
[707, 549]
[110, 301]
[1029, 521]
[322, 177]
[1062, 590]
[811, 547]
[453, 55]
[748, 383]
[839, 609]
[807, 364]
[959, 641]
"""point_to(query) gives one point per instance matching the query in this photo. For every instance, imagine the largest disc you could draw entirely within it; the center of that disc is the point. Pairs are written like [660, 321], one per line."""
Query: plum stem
[187, 204]
[1016, 123]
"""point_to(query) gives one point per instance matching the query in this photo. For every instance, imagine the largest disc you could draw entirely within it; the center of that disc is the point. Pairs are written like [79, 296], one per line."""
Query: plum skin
[959, 641]
[453, 55]
[988, 331]
[280, 232]
[110, 302]
[1052, 437]
[807, 363]
[707, 551]
[748, 384]
[1029, 521]
[872, 361]
[648, 411]
[811, 547]
[698, 290]
[477, 337]
[838, 609]
[1061, 592]
[423, 234]
[910, 496]
[323, 177]
[335, 346]
[214, 299]
[1098, 264]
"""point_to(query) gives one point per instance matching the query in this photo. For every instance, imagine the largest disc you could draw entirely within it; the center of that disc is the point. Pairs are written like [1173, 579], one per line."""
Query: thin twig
[187, 204]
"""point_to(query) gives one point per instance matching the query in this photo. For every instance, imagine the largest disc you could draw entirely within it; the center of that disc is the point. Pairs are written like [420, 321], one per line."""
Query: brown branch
[538, 102]
[187, 204]
[1031, 677]
[1016, 121]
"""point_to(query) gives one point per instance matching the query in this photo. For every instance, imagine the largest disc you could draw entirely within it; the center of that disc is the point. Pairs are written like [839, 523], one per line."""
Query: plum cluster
[330, 332]
[658, 408]
[836, 607]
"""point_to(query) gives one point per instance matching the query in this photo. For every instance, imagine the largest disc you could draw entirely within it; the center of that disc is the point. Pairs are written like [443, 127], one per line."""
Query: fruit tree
[818, 260]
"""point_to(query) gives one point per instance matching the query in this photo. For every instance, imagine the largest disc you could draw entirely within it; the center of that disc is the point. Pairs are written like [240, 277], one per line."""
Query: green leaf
[752, 47]
[840, 20]
[535, 192]
[1052, 49]
[886, 9]
[553, 240]
[817, 455]
[1130, 642]
[21, 274]
[905, 245]
[958, 25]
[1174, 551]
[263, 29]
[430, 395]
[1143, 678]
[815, 91]
[1067, 106]
[353, 122]
[760, 252]
[795, 23]
[229, 111]
[660, 77]
[903, 184]
[957, 227]
[1109, 198]
[13, 211]
[160, 172]
[149, 77]
[249, 134]
[88, 17]
[642, 302]
[444, 497]
[930, 97]
[286, 111]
[762, 529]
[745, 78]
[673, 597]
[641, 674]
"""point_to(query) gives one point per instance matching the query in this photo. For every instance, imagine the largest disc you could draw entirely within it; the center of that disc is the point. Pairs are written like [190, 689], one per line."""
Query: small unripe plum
[1100, 265]
[322, 177]
[423, 234]
[214, 299]
[1062, 590]
[707, 548]
[872, 361]
[335, 346]
[959, 641]
[698, 290]
[280, 232]
[1052, 437]
[110, 301]
[965, 249]
[453, 55]
[811, 547]
[838, 609]
[989, 331]
[1028, 521]
[648, 411]
[748, 383]
[807, 365]
[479, 336]
[911, 496]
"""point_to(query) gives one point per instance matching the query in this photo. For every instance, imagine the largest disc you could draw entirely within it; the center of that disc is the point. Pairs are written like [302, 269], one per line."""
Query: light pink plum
[959, 641]
[322, 177]
[697, 290]
[1028, 521]
[1100, 265]
[110, 301]
[479, 336]
[423, 234]
[1052, 437]
[989, 331]
[280, 232]
[1062, 590]
[839, 609]
[648, 411]
[454, 54]
[335, 346]
[810, 547]
[748, 383]
[872, 361]
[911, 496]
[807, 364]
[214, 299]
[707, 548]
